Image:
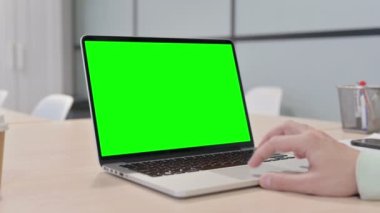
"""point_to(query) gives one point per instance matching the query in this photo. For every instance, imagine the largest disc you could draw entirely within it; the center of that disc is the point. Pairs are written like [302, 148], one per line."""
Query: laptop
[170, 114]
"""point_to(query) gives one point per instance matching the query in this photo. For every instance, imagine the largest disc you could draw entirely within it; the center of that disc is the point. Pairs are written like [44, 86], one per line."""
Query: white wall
[97, 17]
[273, 16]
[184, 18]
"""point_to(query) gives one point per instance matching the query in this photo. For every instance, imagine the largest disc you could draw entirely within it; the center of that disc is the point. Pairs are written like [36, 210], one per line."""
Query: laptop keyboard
[180, 165]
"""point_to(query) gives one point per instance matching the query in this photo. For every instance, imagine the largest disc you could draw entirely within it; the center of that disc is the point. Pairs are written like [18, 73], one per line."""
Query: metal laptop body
[185, 184]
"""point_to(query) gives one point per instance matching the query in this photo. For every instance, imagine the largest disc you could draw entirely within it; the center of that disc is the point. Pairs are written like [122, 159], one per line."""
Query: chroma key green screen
[155, 96]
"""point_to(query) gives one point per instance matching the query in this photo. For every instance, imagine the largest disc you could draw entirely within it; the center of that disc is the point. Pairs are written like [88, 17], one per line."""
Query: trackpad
[240, 172]
[245, 172]
[267, 168]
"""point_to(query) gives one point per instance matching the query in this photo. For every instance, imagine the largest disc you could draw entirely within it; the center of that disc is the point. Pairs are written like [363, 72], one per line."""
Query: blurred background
[305, 47]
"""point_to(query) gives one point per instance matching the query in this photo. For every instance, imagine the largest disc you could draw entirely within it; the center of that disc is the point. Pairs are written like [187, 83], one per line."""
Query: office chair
[55, 107]
[264, 100]
[3, 96]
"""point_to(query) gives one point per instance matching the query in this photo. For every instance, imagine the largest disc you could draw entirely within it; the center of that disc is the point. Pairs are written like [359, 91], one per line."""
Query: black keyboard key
[196, 163]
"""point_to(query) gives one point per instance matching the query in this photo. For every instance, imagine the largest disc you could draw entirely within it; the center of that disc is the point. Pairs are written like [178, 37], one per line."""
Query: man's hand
[331, 164]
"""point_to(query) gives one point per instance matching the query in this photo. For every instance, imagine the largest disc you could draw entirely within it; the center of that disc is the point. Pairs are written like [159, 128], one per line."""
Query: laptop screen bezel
[165, 153]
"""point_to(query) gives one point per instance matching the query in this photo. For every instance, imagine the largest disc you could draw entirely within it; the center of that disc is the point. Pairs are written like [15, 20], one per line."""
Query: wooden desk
[12, 117]
[53, 167]
[340, 134]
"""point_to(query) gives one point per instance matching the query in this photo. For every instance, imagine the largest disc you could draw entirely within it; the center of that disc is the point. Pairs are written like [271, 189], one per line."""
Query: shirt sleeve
[368, 175]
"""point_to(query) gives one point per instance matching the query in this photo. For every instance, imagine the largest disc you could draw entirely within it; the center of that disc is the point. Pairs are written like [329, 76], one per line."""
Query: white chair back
[3, 96]
[55, 107]
[264, 100]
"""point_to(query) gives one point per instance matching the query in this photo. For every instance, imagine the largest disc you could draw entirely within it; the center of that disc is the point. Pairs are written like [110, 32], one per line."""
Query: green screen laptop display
[155, 96]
